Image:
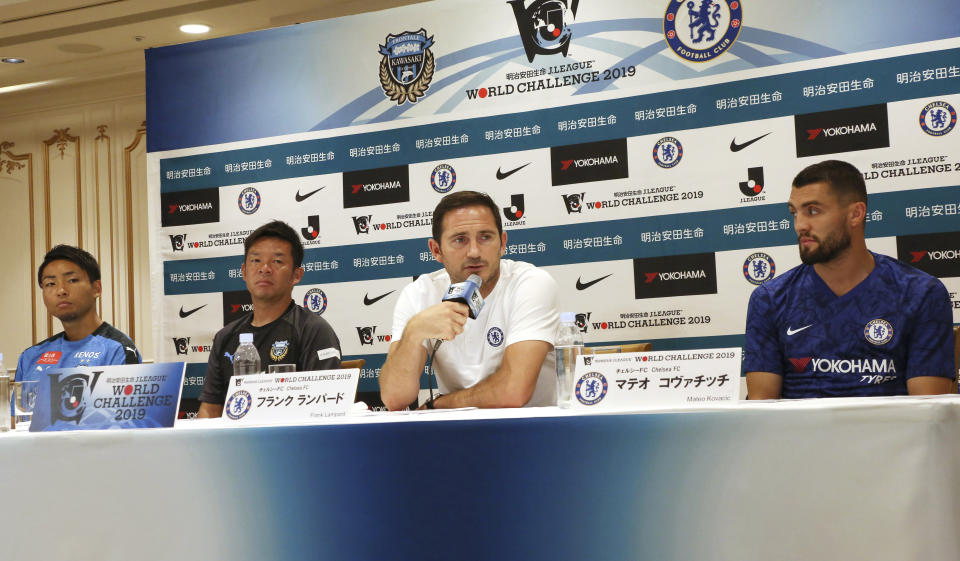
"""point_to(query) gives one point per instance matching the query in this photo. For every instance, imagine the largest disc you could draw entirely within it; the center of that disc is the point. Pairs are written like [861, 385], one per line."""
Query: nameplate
[293, 397]
[130, 396]
[693, 378]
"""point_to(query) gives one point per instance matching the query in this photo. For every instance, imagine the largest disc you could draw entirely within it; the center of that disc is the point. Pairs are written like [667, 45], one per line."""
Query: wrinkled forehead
[270, 246]
[468, 219]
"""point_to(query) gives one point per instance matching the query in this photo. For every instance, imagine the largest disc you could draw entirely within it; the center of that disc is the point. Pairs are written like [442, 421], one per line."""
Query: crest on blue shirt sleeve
[878, 332]
[407, 66]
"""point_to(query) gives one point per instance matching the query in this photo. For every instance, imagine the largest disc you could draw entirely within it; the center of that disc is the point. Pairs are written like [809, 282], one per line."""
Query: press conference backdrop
[641, 153]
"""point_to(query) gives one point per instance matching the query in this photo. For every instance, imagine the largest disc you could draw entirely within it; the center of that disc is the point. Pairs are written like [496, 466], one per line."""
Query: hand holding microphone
[467, 292]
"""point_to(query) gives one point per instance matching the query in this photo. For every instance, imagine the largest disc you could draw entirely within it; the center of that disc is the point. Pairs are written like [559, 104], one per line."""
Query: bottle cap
[246, 338]
[568, 317]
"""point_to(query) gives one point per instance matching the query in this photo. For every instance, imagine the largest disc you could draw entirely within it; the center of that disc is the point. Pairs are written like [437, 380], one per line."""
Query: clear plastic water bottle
[246, 359]
[569, 345]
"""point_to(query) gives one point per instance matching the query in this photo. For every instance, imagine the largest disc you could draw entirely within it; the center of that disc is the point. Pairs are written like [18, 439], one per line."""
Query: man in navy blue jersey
[69, 280]
[847, 322]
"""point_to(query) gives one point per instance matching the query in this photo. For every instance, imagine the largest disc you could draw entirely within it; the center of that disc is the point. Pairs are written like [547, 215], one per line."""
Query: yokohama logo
[675, 275]
[234, 308]
[588, 162]
[844, 366]
[842, 130]
[917, 256]
[189, 207]
[376, 186]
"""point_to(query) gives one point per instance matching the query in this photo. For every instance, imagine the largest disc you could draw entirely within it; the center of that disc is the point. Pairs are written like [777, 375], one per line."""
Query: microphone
[467, 292]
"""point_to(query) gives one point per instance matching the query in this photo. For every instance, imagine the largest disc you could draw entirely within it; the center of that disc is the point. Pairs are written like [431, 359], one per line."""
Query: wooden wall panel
[75, 174]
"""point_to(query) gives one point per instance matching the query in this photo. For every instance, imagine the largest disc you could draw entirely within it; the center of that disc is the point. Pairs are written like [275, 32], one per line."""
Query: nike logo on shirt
[300, 198]
[586, 285]
[367, 301]
[791, 332]
[734, 147]
[184, 314]
[501, 175]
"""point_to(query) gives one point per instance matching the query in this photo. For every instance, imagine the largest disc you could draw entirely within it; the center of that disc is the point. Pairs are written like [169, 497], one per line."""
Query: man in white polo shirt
[504, 357]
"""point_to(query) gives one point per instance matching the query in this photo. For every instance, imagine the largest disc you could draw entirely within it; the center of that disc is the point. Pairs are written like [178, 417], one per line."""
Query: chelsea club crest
[938, 118]
[667, 152]
[407, 67]
[878, 332]
[591, 388]
[702, 30]
[238, 404]
[758, 268]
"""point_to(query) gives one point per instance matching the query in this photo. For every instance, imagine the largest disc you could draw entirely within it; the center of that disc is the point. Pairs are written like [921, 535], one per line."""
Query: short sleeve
[930, 342]
[319, 346]
[533, 308]
[407, 307]
[215, 383]
[762, 351]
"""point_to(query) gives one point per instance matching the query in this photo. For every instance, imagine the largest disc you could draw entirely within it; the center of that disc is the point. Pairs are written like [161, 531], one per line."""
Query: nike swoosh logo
[734, 147]
[502, 175]
[300, 198]
[184, 314]
[367, 301]
[586, 285]
[791, 332]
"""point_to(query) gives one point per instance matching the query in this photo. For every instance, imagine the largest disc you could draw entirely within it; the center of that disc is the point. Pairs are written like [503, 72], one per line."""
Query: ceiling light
[195, 28]
[12, 60]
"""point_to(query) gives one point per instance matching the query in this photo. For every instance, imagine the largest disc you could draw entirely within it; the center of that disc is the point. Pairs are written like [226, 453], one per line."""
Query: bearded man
[847, 322]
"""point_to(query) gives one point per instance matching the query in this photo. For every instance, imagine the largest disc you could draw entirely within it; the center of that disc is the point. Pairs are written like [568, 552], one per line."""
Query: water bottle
[6, 412]
[569, 345]
[246, 359]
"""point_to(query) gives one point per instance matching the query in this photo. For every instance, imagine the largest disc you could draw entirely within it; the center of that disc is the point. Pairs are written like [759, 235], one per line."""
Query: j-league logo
[544, 25]
[362, 224]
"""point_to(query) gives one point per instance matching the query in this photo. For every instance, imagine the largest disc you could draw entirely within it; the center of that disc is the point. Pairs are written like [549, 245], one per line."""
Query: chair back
[627, 348]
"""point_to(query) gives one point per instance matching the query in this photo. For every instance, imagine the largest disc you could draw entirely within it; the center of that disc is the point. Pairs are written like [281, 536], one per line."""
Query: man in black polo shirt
[283, 332]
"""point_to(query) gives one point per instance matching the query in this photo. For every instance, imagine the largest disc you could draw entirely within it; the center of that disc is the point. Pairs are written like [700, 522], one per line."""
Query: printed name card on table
[692, 378]
[294, 396]
[108, 397]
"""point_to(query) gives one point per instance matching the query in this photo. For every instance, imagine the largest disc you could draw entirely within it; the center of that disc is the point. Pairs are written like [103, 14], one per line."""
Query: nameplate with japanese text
[293, 397]
[132, 396]
[689, 378]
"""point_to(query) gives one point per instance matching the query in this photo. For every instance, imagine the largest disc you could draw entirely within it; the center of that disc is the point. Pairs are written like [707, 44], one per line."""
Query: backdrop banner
[641, 154]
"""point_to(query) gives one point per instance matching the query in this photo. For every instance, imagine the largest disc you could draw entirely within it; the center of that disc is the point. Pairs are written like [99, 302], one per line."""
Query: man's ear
[857, 213]
[435, 250]
[97, 288]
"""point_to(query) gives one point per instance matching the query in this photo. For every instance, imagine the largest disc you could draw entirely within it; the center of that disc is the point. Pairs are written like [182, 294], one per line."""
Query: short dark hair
[276, 229]
[75, 255]
[463, 199]
[845, 180]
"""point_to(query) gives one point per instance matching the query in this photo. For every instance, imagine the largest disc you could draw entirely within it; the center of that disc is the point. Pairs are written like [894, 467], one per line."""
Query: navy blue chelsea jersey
[896, 324]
